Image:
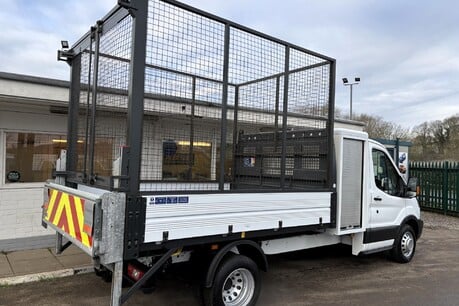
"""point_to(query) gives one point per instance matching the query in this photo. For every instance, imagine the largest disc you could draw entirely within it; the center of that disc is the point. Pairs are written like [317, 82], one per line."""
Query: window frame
[400, 183]
[19, 185]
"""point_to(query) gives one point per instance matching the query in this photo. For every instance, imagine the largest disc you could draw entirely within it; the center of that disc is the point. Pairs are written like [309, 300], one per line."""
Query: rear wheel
[405, 245]
[236, 283]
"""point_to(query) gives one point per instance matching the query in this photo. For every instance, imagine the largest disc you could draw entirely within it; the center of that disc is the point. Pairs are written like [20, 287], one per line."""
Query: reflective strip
[67, 213]
[79, 213]
[55, 198]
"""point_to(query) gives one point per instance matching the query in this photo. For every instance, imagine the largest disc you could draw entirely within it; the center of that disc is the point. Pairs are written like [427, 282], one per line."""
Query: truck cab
[375, 203]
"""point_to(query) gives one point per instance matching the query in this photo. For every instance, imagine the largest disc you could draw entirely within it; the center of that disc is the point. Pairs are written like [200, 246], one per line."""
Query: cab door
[387, 202]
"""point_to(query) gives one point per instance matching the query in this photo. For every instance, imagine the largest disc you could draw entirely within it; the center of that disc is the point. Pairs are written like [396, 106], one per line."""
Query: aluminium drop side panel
[199, 215]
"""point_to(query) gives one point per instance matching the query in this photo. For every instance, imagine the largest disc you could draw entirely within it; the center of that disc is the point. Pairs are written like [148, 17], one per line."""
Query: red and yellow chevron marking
[67, 213]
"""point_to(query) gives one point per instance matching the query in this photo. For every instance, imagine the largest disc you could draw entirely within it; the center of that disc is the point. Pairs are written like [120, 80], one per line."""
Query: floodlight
[346, 83]
[64, 44]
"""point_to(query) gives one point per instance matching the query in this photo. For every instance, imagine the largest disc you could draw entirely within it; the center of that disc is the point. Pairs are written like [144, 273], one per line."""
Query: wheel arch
[248, 248]
[414, 223]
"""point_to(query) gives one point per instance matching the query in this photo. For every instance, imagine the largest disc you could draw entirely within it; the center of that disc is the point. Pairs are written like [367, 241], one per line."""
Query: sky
[405, 52]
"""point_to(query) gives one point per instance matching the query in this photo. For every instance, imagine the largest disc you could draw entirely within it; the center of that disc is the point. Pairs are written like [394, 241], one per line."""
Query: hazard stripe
[51, 203]
[55, 205]
[74, 220]
[59, 210]
[87, 228]
[86, 234]
[67, 213]
[62, 221]
[79, 206]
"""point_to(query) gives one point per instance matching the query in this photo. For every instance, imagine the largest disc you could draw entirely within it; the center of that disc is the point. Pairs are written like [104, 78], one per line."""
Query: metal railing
[439, 185]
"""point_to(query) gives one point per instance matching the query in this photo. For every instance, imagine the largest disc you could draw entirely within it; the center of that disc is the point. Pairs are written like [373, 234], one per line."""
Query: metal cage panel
[210, 87]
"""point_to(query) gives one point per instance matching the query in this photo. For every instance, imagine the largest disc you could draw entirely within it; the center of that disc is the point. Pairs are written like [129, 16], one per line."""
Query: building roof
[43, 98]
[394, 142]
[33, 79]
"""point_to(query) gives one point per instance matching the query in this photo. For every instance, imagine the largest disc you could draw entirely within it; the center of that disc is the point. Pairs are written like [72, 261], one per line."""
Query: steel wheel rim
[407, 244]
[238, 288]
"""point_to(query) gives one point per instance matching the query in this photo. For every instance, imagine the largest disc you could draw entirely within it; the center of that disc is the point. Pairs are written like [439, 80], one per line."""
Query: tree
[377, 127]
[436, 140]
[422, 142]
[451, 148]
[431, 140]
[440, 133]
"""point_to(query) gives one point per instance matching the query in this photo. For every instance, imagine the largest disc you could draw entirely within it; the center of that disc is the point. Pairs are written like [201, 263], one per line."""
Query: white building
[32, 132]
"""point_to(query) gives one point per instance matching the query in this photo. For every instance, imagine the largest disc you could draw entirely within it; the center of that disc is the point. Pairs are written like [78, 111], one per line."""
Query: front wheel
[236, 283]
[405, 245]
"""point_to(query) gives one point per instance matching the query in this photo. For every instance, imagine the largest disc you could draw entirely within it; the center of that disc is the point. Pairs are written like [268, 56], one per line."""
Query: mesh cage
[225, 107]
[184, 86]
[84, 118]
[104, 79]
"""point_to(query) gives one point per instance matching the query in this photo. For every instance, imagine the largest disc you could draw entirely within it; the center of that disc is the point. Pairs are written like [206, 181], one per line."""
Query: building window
[179, 164]
[31, 157]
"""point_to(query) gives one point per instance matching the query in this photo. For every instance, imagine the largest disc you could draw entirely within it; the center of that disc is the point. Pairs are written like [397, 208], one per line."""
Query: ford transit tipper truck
[193, 138]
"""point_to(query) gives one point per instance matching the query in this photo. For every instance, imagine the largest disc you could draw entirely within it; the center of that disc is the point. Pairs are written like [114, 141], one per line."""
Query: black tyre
[236, 283]
[405, 245]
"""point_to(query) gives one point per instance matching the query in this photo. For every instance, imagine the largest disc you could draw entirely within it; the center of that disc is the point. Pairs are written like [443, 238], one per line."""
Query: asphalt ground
[325, 276]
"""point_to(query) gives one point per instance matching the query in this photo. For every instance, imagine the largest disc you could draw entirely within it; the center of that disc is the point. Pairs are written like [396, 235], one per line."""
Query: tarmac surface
[325, 276]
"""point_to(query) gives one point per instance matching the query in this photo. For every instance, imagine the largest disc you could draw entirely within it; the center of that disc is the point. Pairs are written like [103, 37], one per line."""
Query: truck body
[193, 138]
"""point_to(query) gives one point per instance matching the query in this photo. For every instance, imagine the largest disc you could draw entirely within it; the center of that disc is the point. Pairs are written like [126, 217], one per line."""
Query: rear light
[134, 272]
[418, 191]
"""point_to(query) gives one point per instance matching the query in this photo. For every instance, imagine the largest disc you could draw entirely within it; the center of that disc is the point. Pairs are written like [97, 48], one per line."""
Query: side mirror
[413, 188]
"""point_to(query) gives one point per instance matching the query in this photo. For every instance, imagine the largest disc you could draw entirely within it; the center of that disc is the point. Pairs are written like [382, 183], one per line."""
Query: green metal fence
[439, 185]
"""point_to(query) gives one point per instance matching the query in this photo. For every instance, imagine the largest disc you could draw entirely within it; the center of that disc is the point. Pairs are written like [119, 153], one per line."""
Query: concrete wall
[20, 214]
[25, 107]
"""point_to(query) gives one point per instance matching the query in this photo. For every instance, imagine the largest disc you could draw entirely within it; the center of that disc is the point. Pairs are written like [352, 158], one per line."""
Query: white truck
[193, 138]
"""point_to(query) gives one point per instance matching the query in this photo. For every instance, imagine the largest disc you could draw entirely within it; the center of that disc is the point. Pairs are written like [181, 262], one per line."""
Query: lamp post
[347, 83]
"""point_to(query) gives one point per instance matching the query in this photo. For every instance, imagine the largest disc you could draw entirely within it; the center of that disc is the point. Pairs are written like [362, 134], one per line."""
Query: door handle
[377, 199]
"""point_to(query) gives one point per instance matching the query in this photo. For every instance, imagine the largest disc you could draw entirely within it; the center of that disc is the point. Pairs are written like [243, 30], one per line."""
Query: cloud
[34, 29]
[406, 52]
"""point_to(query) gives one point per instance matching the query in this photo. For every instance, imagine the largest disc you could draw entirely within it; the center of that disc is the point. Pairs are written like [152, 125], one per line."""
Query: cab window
[386, 176]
